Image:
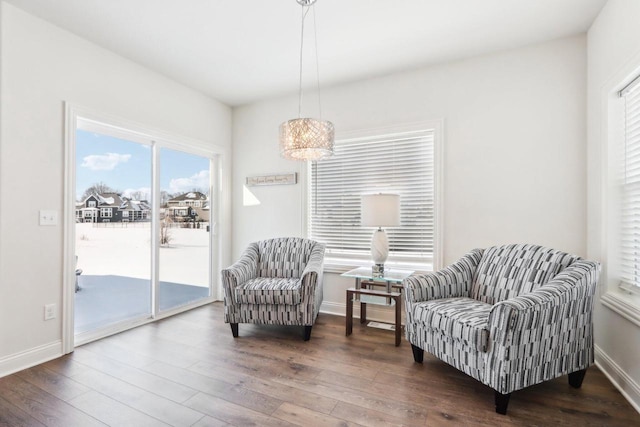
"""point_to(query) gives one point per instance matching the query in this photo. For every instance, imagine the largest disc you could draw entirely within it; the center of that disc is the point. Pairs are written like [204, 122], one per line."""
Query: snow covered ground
[124, 250]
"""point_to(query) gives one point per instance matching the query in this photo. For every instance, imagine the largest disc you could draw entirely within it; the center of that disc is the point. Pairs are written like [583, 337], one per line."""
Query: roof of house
[192, 195]
[106, 199]
[115, 200]
[135, 205]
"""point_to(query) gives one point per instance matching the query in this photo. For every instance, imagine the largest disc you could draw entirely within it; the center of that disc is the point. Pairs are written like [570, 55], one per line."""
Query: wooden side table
[369, 296]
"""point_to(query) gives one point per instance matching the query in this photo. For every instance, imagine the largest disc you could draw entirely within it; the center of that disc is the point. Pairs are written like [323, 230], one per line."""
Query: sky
[126, 166]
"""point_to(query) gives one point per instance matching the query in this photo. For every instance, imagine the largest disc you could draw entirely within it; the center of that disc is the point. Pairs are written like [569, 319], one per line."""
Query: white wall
[514, 149]
[43, 66]
[613, 53]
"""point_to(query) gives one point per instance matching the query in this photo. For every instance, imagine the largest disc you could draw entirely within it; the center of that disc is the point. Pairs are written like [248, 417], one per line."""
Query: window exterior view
[115, 235]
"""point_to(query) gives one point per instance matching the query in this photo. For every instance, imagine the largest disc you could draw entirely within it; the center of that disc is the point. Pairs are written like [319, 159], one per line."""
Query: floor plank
[233, 414]
[44, 407]
[151, 404]
[411, 414]
[208, 421]
[285, 393]
[56, 384]
[12, 416]
[134, 376]
[306, 417]
[188, 370]
[232, 393]
[112, 412]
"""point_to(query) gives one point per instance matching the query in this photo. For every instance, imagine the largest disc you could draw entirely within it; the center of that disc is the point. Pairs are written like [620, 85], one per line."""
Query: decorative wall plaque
[275, 179]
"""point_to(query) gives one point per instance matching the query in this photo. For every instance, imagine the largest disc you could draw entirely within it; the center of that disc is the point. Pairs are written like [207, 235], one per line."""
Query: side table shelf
[367, 297]
[365, 293]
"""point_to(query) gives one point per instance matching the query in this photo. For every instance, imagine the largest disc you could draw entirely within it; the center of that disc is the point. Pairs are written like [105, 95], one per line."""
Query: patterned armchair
[275, 282]
[508, 316]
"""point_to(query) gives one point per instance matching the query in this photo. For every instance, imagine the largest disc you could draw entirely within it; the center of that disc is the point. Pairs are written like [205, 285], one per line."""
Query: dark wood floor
[189, 371]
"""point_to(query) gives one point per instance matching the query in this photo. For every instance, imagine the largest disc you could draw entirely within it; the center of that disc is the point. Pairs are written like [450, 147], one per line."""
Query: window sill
[625, 304]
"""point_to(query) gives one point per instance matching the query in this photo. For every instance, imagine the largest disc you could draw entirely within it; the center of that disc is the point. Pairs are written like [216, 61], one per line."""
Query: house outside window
[403, 161]
[92, 203]
[105, 212]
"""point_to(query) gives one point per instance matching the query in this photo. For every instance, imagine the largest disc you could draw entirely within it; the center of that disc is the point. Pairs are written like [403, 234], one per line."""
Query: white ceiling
[239, 51]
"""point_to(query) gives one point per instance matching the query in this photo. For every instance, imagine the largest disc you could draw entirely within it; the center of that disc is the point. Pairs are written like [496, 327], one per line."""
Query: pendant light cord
[305, 11]
[304, 15]
[315, 39]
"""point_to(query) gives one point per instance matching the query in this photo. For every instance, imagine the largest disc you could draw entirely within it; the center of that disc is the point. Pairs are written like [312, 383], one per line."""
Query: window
[400, 162]
[629, 240]
[92, 203]
[621, 198]
[105, 212]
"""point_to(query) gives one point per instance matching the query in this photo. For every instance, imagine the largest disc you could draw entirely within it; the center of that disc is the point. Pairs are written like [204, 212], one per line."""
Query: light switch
[48, 217]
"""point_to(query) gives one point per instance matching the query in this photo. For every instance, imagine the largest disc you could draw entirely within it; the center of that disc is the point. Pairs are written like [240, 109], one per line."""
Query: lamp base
[377, 270]
[379, 251]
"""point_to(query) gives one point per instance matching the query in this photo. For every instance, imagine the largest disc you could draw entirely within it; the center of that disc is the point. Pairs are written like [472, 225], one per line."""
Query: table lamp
[380, 210]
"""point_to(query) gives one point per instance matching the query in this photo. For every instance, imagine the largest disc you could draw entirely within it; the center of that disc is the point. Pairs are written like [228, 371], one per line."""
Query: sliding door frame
[75, 117]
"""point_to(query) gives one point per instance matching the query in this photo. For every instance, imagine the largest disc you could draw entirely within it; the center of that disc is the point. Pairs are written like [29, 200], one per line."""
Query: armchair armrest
[562, 305]
[244, 269]
[312, 274]
[451, 281]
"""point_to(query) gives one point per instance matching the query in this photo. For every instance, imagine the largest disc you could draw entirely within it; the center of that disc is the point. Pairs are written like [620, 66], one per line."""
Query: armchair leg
[502, 401]
[575, 378]
[307, 332]
[234, 329]
[418, 353]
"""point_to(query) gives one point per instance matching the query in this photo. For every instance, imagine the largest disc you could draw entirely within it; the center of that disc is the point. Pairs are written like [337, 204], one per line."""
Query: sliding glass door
[184, 228]
[113, 231]
[143, 227]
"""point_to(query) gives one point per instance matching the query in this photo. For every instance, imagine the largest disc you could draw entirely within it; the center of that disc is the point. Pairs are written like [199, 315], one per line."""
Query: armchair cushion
[269, 290]
[507, 271]
[464, 320]
[284, 257]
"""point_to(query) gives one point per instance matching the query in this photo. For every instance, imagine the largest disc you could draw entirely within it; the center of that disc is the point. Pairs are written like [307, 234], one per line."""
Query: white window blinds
[400, 163]
[630, 221]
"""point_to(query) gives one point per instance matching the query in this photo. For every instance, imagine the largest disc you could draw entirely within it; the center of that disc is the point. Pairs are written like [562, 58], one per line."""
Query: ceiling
[242, 51]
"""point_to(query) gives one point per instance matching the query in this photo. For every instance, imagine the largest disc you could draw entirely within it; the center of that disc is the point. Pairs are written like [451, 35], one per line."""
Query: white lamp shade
[380, 210]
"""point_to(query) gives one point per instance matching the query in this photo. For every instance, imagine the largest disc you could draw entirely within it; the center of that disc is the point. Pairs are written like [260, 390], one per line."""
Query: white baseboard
[32, 357]
[623, 382]
[374, 312]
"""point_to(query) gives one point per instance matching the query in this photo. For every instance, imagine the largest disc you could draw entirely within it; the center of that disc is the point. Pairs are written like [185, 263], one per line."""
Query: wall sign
[275, 179]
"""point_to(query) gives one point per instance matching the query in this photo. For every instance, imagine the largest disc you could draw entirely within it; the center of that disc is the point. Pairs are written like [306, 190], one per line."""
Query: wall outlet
[49, 311]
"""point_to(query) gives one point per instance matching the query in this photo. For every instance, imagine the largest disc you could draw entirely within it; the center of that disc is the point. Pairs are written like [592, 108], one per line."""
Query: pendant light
[306, 138]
